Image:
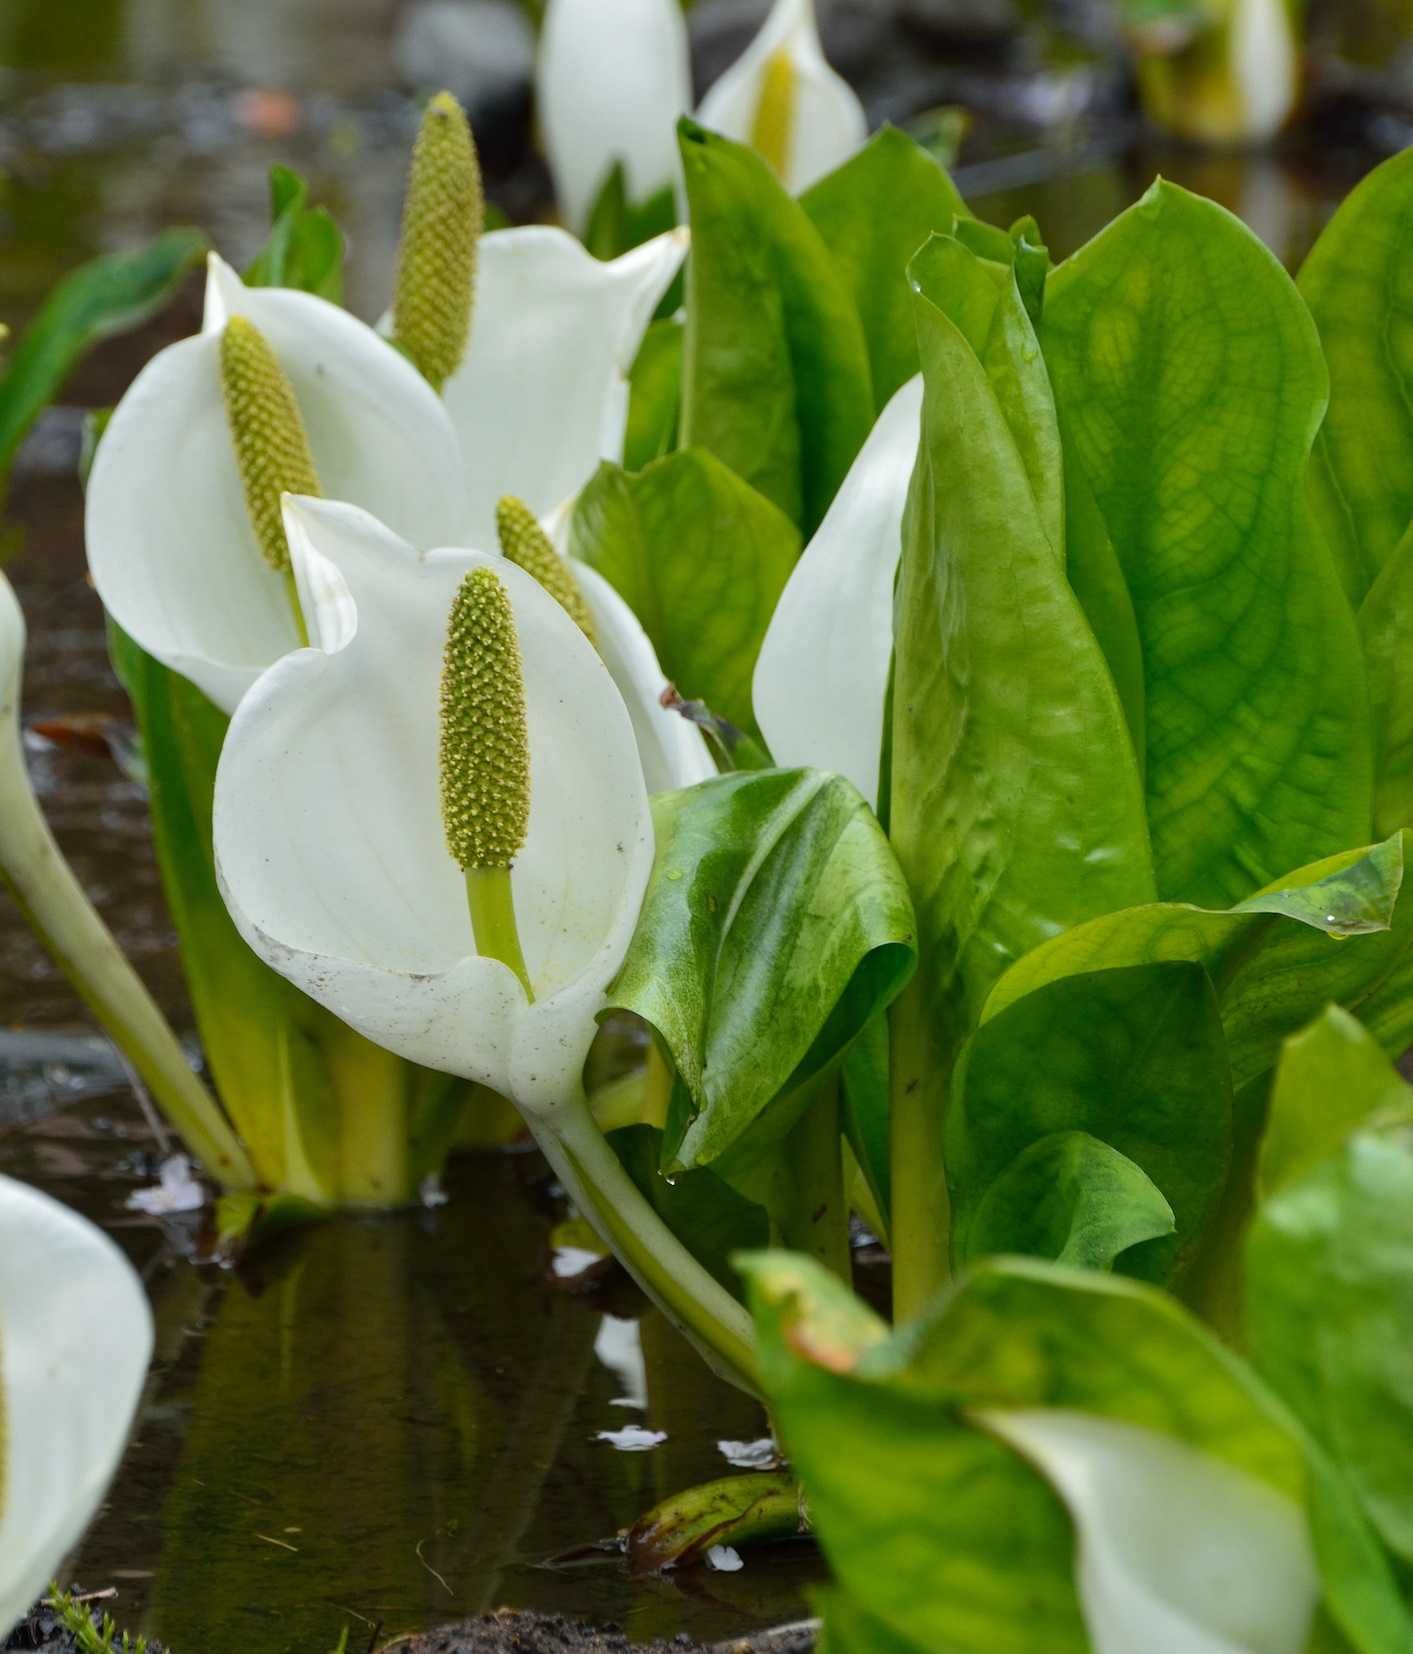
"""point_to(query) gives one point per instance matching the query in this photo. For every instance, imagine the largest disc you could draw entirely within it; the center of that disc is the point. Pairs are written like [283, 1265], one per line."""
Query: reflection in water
[396, 1422]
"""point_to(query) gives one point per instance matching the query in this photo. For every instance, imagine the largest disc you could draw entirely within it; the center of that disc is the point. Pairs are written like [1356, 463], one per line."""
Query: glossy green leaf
[109, 295]
[1337, 932]
[1358, 283]
[304, 249]
[864, 1079]
[1330, 1292]
[1134, 1058]
[1190, 383]
[1386, 630]
[874, 213]
[927, 1525]
[1071, 1199]
[654, 396]
[700, 558]
[1016, 806]
[777, 381]
[929, 1534]
[706, 1214]
[1331, 1077]
[776, 925]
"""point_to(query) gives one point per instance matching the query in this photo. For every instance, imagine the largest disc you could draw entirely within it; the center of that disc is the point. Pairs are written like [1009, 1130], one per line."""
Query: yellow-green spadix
[75, 1340]
[181, 532]
[331, 836]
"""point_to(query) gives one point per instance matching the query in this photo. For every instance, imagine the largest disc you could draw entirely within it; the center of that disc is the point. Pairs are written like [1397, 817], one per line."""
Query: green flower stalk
[441, 225]
[527, 545]
[56, 908]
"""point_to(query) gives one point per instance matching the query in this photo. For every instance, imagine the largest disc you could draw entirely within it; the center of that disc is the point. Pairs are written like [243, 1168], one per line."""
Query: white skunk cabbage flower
[821, 680]
[332, 832]
[1174, 1549]
[75, 1341]
[541, 396]
[782, 97]
[613, 78]
[172, 548]
[1225, 72]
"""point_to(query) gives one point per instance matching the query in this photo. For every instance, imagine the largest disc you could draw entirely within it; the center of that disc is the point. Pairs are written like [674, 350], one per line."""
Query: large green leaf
[1331, 1077]
[777, 381]
[1358, 283]
[1386, 630]
[655, 395]
[1134, 1058]
[874, 213]
[929, 1534]
[305, 246]
[1336, 932]
[1071, 1199]
[1330, 1262]
[700, 558]
[1190, 383]
[107, 296]
[776, 924]
[1016, 805]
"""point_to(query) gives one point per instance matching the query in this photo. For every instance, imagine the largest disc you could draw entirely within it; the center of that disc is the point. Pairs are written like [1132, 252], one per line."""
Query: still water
[398, 1422]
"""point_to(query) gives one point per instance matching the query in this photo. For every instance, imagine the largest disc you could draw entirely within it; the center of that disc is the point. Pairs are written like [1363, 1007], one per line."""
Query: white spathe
[170, 544]
[541, 396]
[821, 679]
[329, 840]
[612, 79]
[75, 1340]
[828, 123]
[1175, 1550]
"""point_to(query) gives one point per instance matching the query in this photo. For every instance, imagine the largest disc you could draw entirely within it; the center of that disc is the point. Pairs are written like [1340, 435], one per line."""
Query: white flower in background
[539, 399]
[330, 834]
[821, 680]
[614, 78]
[1175, 1550]
[542, 393]
[782, 97]
[75, 1340]
[171, 546]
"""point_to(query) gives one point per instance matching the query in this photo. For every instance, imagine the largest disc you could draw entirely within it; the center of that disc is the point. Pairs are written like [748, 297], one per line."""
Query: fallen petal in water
[756, 1455]
[177, 1191]
[632, 1438]
[724, 1559]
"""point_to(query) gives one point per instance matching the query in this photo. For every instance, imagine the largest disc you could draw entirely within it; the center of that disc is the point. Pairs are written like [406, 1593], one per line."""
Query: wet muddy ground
[389, 1426]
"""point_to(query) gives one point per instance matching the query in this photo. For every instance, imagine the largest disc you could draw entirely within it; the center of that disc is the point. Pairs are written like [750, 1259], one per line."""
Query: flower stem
[921, 1211]
[492, 905]
[691, 1298]
[61, 915]
[818, 1222]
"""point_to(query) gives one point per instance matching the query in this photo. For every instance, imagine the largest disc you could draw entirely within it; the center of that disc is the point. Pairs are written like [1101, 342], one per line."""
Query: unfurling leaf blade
[776, 925]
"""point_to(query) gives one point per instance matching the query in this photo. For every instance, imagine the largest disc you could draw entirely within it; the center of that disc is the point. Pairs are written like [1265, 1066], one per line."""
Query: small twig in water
[430, 1569]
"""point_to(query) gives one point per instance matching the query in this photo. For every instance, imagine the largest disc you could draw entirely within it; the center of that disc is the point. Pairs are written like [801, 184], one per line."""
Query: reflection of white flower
[176, 1191]
[75, 1340]
[624, 109]
[329, 834]
[539, 399]
[1176, 1550]
[822, 677]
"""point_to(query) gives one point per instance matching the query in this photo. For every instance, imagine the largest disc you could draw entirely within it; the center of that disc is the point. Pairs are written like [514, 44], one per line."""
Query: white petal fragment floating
[271, 446]
[527, 545]
[441, 226]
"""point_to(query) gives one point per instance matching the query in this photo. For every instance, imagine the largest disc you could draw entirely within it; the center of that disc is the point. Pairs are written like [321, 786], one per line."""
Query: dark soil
[40, 1632]
[511, 1633]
